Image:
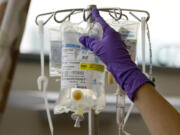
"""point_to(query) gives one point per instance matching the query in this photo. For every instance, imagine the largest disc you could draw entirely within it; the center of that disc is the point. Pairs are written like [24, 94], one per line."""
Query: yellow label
[92, 66]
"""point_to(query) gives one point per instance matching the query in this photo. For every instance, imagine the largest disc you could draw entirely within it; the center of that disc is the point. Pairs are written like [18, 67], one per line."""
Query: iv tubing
[43, 79]
[120, 110]
[150, 52]
[41, 35]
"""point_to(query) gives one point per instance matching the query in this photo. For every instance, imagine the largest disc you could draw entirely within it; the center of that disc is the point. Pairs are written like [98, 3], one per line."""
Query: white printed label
[74, 74]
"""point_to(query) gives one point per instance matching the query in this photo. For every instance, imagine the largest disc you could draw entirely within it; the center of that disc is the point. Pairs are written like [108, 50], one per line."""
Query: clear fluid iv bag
[82, 73]
[129, 32]
[55, 52]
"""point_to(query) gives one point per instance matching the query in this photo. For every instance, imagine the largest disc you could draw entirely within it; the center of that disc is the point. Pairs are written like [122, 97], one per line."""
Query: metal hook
[84, 15]
[115, 13]
[116, 17]
[125, 16]
[68, 16]
[135, 16]
[36, 20]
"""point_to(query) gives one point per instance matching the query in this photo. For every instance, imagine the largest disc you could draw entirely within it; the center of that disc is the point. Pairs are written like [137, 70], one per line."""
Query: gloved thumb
[88, 42]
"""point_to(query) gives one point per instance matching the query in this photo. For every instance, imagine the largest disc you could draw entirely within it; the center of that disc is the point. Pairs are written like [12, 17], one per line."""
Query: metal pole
[143, 27]
[92, 129]
[92, 118]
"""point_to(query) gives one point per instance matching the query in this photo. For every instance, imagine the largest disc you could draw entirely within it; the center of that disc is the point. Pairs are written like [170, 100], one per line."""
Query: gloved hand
[112, 51]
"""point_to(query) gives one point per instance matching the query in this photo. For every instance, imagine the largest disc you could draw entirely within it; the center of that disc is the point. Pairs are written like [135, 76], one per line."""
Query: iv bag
[129, 31]
[55, 52]
[82, 73]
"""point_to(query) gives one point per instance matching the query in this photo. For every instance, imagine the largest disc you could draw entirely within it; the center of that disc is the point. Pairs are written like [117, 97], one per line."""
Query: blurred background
[25, 113]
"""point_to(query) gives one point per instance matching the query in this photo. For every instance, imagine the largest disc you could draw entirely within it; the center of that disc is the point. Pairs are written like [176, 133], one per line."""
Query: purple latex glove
[112, 51]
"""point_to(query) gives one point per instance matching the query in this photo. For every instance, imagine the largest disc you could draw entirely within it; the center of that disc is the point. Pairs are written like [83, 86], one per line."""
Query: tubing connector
[78, 118]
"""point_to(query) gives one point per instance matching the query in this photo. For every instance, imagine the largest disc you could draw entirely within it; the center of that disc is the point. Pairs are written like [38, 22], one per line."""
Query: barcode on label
[72, 73]
[82, 87]
[78, 79]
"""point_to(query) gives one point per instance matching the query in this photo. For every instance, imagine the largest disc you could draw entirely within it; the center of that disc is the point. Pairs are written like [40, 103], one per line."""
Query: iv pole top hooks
[118, 13]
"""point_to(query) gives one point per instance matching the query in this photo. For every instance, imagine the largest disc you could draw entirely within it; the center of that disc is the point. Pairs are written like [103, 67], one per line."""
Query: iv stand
[93, 122]
[92, 118]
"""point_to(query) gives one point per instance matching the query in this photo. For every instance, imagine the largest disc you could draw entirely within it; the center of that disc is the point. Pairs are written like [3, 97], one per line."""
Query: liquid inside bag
[55, 53]
[82, 73]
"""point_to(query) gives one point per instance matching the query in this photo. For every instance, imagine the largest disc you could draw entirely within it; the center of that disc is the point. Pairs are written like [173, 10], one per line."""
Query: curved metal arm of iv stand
[73, 11]
[116, 17]
[68, 16]
[44, 14]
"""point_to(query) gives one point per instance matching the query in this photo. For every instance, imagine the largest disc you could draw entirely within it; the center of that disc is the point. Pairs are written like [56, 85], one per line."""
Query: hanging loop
[45, 14]
[84, 15]
[126, 17]
[85, 18]
[66, 17]
[117, 15]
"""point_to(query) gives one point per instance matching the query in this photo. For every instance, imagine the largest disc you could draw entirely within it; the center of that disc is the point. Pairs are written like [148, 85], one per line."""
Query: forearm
[160, 117]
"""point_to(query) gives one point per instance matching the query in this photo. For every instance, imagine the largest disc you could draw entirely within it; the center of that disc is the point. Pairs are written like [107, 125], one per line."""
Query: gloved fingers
[96, 16]
[88, 42]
